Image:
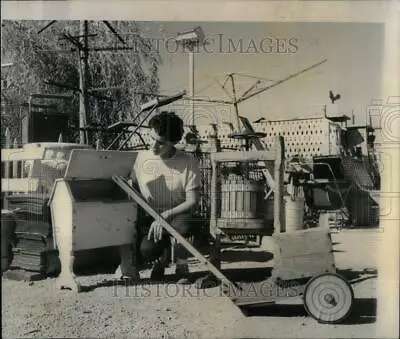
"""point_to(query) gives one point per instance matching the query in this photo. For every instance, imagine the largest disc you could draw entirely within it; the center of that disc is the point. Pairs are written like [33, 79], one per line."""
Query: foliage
[49, 56]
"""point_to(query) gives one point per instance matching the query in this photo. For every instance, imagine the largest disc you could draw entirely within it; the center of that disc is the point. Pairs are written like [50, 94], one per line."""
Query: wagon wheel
[328, 298]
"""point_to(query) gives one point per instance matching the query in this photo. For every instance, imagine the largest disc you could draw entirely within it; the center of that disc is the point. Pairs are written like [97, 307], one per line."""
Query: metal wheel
[328, 298]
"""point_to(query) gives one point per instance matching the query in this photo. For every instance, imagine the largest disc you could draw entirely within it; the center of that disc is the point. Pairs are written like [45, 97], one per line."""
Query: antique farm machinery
[303, 259]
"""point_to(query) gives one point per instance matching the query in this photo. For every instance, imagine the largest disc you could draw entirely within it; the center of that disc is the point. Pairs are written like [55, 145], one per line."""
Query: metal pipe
[281, 81]
[137, 127]
[191, 82]
[235, 102]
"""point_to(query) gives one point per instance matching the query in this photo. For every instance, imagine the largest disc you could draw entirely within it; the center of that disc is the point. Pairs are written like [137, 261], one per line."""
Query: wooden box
[302, 254]
[88, 209]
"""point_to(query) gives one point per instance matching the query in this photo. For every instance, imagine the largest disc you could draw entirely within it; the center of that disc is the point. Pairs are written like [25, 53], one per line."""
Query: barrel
[241, 200]
[7, 232]
[294, 213]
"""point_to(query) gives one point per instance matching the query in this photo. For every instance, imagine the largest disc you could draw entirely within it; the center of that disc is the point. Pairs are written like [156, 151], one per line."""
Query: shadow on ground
[353, 276]
[232, 256]
[276, 311]
[363, 311]
[248, 274]
[237, 275]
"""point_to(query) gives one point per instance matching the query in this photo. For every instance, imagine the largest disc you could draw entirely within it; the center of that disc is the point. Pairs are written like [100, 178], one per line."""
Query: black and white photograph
[225, 176]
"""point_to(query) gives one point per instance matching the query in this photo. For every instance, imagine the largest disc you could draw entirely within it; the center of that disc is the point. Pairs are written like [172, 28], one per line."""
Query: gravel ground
[38, 310]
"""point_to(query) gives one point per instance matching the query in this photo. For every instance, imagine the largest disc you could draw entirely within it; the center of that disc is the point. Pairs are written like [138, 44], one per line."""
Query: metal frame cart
[303, 260]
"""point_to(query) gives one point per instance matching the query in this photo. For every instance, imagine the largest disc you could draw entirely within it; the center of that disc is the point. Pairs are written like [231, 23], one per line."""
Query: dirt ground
[39, 310]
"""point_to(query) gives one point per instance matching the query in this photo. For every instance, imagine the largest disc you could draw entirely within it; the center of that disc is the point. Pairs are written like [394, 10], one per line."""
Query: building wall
[305, 137]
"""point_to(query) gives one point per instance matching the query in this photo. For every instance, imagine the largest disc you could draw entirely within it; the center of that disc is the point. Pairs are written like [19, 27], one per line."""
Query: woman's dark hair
[167, 125]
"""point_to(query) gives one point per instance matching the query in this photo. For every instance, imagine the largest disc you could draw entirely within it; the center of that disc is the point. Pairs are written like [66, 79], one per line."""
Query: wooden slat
[6, 165]
[322, 181]
[93, 164]
[243, 156]
[3, 158]
[15, 163]
[214, 197]
[279, 212]
[10, 154]
[21, 173]
[19, 185]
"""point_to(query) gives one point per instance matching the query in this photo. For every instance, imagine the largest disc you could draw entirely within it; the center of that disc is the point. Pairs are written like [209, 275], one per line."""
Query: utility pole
[83, 71]
[81, 44]
[190, 40]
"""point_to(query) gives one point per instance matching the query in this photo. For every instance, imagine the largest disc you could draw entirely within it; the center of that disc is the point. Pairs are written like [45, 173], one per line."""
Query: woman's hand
[155, 231]
[156, 228]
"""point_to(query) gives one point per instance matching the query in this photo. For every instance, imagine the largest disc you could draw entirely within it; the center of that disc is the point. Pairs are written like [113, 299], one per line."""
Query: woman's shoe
[131, 274]
[182, 271]
[157, 272]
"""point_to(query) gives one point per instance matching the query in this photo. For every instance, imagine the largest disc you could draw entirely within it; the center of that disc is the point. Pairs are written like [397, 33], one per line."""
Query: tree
[48, 56]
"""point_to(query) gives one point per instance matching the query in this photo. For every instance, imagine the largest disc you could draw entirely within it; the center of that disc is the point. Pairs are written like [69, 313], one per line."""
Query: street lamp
[191, 39]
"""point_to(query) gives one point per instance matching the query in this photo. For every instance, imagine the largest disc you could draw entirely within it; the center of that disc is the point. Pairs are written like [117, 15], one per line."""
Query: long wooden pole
[279, 211]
